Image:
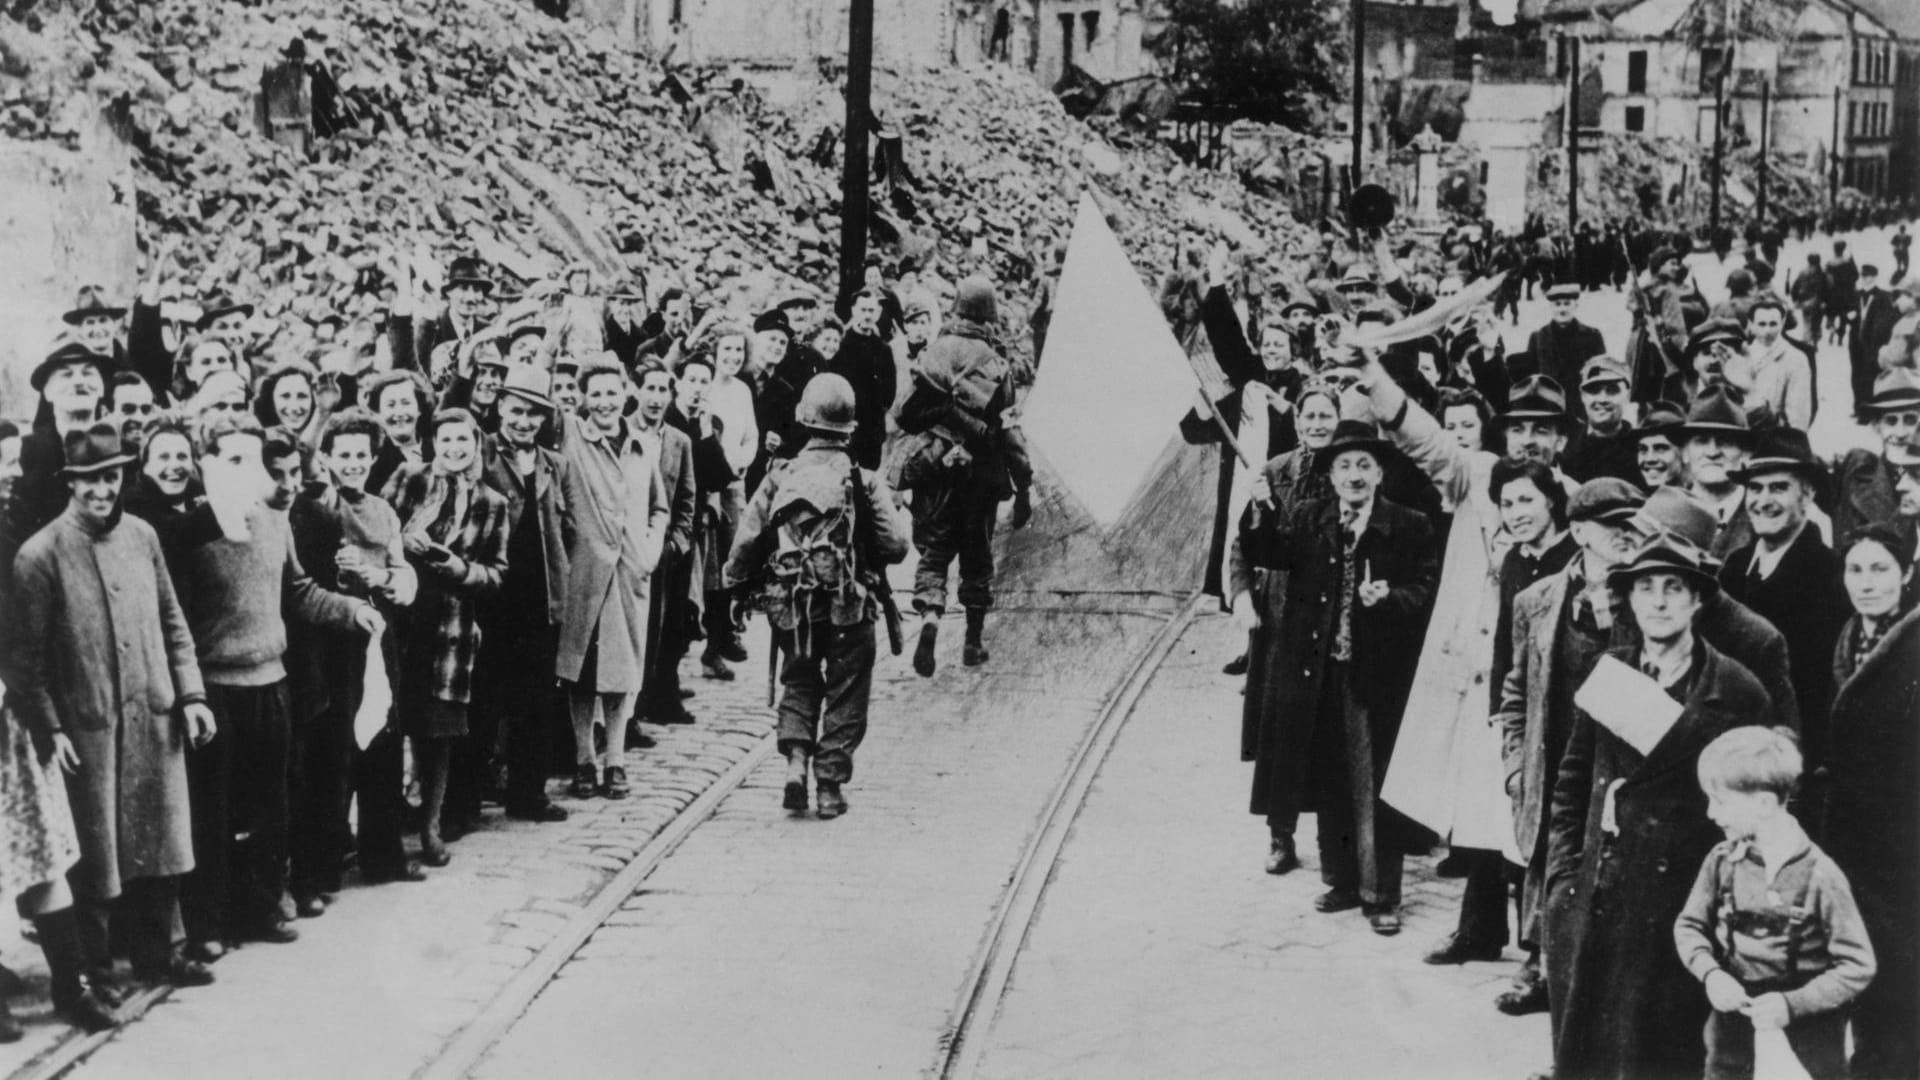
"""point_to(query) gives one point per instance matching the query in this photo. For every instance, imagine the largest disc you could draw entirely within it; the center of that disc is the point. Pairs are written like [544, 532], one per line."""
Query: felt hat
[1715, 413]
[1671, 511]
[528, 382]
[1605, 498]
[1783, 449]
[88, 304]
[96, 449]
[628, 290]
[1355, 278]
[1352, 435]
[1536, 397]
[71, 353]
[527, 329]
[1665, 557]
[1662, 418]
[219, 306]
[1567, 291]
[1714, 330]
[1292, 306]
[1894, 391]
[465, 270]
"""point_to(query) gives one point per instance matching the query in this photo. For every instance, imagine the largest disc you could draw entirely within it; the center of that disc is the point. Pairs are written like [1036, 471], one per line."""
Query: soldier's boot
[832, 803]
[796, 793]
[975, 653]
[923, 652]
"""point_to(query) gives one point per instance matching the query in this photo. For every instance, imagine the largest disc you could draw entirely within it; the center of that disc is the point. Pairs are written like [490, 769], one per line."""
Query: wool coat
[1733, 629]
[1871, 827]
[1397, 543]
[1447, 774]
[547, 492]
[1294, 483]
[105, 656]
[439, 636]
[620, 520]
[1629, 1009]
[1560, 350]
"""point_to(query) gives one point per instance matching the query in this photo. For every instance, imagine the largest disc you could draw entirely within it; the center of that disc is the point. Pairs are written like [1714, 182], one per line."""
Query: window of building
[1711, 60]
[1636, 118]
[1091, 20]
[1066, 43]
[1637, 73]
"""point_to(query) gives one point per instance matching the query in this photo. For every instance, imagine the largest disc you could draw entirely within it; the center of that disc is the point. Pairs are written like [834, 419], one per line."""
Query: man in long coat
[620, 516]
[1627, 831]
[1561, 349]
[1362, 571]
[107, 662]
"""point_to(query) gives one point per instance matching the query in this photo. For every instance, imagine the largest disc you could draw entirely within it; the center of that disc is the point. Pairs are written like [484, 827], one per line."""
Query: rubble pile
[486, 127]
[1665, 181]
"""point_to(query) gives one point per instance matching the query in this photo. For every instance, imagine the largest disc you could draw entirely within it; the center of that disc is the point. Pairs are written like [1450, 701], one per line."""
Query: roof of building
[1902, 17]
[1573, 10]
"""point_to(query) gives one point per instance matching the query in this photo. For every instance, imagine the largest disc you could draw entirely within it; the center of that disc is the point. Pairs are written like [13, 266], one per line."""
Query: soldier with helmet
[962, 461]
[811, 553]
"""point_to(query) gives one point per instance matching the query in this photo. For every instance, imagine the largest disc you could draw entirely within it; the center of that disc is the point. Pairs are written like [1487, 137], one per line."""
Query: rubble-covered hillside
[484, 126]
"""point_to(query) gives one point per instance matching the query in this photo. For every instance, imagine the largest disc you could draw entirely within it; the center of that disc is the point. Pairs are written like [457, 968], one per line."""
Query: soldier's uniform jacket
[796, 544]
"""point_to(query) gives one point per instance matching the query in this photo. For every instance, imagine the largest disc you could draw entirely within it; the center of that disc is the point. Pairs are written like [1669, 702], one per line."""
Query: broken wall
[906, 33]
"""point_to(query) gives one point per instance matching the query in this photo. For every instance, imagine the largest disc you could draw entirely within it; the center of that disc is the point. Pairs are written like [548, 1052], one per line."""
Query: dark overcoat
[1629, 1009]
[1872, 821]
[547, 492]
[1804, 599]
[1398, 544]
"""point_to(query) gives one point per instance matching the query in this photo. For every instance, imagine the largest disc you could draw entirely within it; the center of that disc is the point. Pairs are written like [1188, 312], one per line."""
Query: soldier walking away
[811, 553]
[962, 462]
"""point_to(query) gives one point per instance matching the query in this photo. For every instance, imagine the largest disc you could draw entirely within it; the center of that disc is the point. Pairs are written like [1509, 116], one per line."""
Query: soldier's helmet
[826, 405]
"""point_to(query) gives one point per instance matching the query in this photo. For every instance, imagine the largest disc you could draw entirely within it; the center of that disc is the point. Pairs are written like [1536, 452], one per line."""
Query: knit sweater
[237, 594]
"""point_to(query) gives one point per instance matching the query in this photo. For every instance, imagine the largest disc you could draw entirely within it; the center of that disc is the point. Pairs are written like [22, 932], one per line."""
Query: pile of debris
[1666, 181]
[484, 126]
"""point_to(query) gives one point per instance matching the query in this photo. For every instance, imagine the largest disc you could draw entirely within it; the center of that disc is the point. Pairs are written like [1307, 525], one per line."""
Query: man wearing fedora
[466, 291]
[521, 623]
[72, 385]
[225, 319]
[1363, 572]
[1790, 577]
[1561, 349]
[1874, 316]
[1715, 442]
[1626, 826]
[1605, 445]
[96, 323]
[1865, 481]
[108, 676]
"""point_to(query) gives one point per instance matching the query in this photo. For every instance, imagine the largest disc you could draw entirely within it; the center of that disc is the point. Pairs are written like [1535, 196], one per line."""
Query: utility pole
[1766, 143]
[1573, 137]
[1359, 92]
[1833, 157]
[853, 175]
[1719, 140]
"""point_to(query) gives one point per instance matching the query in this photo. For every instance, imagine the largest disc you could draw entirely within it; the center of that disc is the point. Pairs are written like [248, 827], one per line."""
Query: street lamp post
[853, 175]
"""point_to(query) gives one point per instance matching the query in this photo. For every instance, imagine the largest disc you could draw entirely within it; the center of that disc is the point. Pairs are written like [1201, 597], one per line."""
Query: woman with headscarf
[453, 528]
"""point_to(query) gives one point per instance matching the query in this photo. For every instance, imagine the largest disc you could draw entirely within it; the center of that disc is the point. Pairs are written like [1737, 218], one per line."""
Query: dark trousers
[238, 784]
[1483, 905]
[378, 777]
[1353, 852]
[824, 696]
[519, 695]
[145, 909]
[1818, 1041]
[320, 780]
[667, 639]
[1886, 1041]
[952, 520]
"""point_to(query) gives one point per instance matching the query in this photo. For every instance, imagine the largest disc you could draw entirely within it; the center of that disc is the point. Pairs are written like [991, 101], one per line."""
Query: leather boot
[923, 652]
[796, 793]
[433, 792]
[975, 653]
[60, 940]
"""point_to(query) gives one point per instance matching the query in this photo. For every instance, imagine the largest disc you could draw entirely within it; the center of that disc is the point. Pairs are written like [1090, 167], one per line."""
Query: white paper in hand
[1628, 703]
[1773, 1056]
[377, 700]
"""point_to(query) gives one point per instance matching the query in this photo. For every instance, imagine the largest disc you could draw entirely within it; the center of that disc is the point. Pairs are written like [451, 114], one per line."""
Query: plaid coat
[439, 636]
